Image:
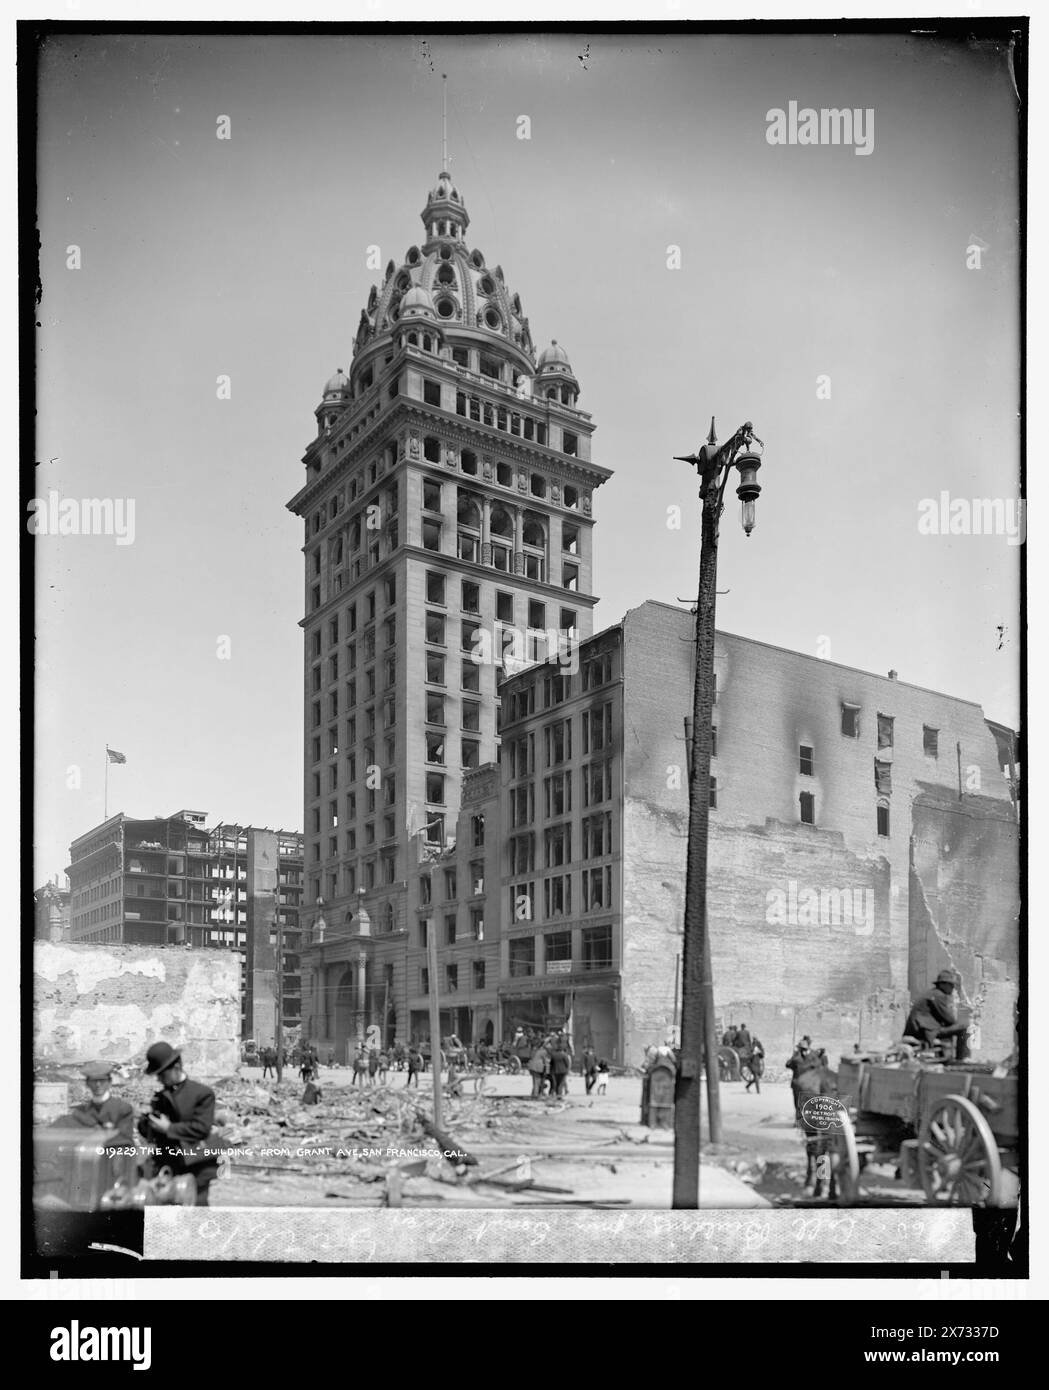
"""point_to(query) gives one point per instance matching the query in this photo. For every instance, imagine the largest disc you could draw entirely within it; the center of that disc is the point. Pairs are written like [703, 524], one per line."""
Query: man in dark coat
[181, 1119]
[560, 1063]
[590, 1068]
[804, 1059]
[742, 1043]
[102, 1110]
[934, 1015]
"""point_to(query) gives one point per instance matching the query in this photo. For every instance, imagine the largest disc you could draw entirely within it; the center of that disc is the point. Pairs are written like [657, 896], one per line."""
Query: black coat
[191, 1108]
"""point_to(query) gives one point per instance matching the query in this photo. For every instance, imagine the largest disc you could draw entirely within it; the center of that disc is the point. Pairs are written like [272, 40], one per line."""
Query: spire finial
[444, 122]
[712, 437]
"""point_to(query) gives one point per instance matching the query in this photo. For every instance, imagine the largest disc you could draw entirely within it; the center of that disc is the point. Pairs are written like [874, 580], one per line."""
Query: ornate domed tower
[448, 527]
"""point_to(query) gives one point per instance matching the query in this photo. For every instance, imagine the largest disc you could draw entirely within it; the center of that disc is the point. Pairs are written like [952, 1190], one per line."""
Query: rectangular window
[432, 541]
[522, 956]
[597, 728]
[431, 495]
[522, 855]
[557, 895]
[431, 392]
[434, 587]
[449, 931]
[885, 723]
[478, 969]
[522, 808]
[558, 841]
[597, 835]
[805, 760]
[451, 973]
[557, 947]
[808, 808]
[883, 820]
[477, 830]
[425, 893]
[434, 709]
[435, 629]
[471, 597]
[435, 748]
[434, 668]
[558, 740]
[570, 539]
[930, 741]
[850, 721]
[597, 889]
[558, 795]
[882, 777]
[471, 713]
[470, 754]
[597, 783]
[450, 884]
[570, 577]
[424, 980]
[471, 677]
[522, 898]
[597, 671]
[435, 788]
[597, 948]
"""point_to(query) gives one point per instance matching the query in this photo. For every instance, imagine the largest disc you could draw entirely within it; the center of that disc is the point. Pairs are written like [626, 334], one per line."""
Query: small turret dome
[553, 357]
[416, 301]
[337, 384]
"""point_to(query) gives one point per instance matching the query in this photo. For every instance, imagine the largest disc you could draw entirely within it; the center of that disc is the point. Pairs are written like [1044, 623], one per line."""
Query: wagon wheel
[958, 1156]
[845, 1162]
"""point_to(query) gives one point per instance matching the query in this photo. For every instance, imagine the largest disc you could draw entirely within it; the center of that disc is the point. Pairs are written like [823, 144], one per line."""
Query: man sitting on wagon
[934, 1016]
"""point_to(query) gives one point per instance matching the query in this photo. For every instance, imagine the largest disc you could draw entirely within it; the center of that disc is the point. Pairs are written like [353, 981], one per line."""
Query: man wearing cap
[935, 1015]
[803, 1059]
[181, 1119]
[102, 1110]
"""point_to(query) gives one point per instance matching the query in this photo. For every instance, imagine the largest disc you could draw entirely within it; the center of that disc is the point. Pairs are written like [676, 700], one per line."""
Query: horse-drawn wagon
[952, 1128]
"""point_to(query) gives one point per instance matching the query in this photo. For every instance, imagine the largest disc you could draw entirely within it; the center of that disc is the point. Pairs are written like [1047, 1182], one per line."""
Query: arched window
[446, 275]
[534, 540]
[501, 530]
[469, 529]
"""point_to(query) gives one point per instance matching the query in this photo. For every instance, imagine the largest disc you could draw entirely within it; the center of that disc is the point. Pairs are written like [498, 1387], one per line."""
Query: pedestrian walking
[538, 1065]
[360, 1068]
[803, 1059]
[373, 1065]
[415, 1066]
[589, 1068]
[602, 1077]
[756, 1063]
[384, 1067]
[559, 1064]
[269, 1061]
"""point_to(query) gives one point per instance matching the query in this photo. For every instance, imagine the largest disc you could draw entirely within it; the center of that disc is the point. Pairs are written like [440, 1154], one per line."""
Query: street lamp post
[713, 464]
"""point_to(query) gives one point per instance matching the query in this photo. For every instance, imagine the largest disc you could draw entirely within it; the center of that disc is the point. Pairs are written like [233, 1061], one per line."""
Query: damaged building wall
[780, 735]
[965, 905]
[109, 1003]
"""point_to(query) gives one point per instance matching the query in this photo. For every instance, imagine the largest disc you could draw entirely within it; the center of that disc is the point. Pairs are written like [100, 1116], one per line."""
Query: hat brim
[163, 1066]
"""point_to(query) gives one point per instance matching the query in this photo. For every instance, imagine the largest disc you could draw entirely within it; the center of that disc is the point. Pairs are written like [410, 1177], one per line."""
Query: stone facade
[815, 927]
[109, 1003]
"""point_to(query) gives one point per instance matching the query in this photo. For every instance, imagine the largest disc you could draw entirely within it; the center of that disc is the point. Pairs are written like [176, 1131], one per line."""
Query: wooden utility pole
[435, 1022]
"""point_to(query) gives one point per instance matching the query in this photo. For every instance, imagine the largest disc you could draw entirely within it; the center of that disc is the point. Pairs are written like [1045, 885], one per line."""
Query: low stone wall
[109, 1003]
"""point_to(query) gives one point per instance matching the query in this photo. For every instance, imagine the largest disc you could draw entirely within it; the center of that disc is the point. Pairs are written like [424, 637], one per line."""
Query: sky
[689, 267]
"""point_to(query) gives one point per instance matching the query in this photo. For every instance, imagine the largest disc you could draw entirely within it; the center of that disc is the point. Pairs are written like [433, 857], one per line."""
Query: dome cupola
[337, 386]
[554, 377]
[445, 212]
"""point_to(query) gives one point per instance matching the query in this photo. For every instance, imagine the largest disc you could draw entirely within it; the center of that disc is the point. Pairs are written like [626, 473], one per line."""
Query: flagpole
[105, 802]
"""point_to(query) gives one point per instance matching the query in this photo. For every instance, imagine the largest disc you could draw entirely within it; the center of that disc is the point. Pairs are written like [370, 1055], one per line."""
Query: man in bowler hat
[181, 1119]
[101, 1109]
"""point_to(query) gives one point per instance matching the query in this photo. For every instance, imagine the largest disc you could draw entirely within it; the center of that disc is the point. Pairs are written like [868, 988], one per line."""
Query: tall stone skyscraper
[447, 539]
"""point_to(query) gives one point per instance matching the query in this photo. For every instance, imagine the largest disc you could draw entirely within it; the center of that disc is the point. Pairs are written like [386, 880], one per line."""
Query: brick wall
[110, 1003]
[774, 968]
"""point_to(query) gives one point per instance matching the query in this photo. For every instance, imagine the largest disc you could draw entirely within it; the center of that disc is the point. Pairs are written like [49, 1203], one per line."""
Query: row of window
[596, 951]
[451, 977]
[557, 895]
[850, 728]
[499, 417]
